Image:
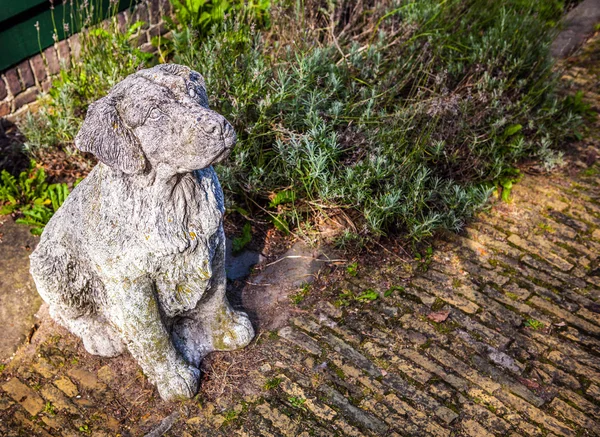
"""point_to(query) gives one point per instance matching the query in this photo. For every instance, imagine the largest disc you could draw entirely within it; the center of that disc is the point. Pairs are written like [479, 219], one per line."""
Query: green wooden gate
[29, 26]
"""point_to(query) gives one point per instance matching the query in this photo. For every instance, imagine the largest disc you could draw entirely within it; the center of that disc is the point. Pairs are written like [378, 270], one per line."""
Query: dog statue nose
[212, 127]
[229, 135]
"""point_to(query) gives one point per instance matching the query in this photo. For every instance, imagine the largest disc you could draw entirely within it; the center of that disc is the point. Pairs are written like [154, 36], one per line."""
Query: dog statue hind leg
[74, 306]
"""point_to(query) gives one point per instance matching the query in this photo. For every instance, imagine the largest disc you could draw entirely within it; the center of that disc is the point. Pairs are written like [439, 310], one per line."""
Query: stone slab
[19, 300]
[579, 25]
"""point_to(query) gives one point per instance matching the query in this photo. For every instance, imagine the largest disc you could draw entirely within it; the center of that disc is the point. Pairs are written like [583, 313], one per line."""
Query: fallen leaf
[529, 383]
[439, 316]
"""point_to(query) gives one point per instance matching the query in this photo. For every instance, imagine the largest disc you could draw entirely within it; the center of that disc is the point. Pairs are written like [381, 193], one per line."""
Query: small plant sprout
[297, 402]
[301, 294]
[352, 269]
[368, 295]
[240, 242]
[49, 409]
[390, 291]
[230, 416]
[534, 324]
[344, 298]
[272, 383]
[425, 258]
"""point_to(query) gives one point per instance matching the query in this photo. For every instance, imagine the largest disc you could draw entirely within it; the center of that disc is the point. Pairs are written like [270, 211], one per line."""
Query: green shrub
[206, 16]
[406, 117]
[31, 197]
[412, 128]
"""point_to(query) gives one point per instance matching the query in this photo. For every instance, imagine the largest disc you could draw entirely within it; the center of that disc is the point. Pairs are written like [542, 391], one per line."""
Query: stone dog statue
[135, 257]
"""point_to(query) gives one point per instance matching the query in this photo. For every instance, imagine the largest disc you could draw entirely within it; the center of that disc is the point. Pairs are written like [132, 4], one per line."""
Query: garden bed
[392, 118]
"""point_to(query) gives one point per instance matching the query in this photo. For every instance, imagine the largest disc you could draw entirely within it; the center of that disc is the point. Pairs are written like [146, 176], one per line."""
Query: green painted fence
[29, 26]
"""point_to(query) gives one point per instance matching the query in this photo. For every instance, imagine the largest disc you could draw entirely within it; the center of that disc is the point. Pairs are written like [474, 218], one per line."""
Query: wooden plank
[22, 40]
[10, 8]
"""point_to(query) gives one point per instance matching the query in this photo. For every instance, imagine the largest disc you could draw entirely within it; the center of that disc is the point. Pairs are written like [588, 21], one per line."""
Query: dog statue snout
[212, 127]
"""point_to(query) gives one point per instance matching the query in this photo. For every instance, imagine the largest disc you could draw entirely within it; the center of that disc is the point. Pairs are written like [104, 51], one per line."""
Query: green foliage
[49, 409]
[272, 383]
[506, 181]
[391, 290]
[367, 296]
[346, 297]
[352, 269]
[230, 416]
[512, 129]
[31, 196]
[283, 197]
[239, 243]
[206, 17]
[424, 258]
[301, 294]
[349, 239]
[297, 402]
[534, 324]
[576, 104]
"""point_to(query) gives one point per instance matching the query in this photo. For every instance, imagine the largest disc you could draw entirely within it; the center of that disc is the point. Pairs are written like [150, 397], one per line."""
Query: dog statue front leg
[134, 309]
[213, 325]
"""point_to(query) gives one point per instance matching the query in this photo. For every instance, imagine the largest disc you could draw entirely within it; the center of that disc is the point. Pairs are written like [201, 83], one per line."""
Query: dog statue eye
[155, 114]
[192, 92]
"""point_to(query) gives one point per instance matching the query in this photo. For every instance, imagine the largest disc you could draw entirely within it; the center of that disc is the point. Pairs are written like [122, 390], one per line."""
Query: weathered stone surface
[12, 80]
[25, 97]
[239, 266]
[267, 296]
[64, 53]
[5, 108]
[25, 396]
[579, 24]
[5, 403]
[44, 368]
[57, 399]
[52, 60]
[26, 74]
[39, 68]
[155, 15]
[66, 386]
[75, 46]
[3, 91]
[18, 299]
[87, 380]
[148, 218]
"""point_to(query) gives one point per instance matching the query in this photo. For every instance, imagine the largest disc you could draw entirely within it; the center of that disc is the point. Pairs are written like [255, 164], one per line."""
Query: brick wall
[21, 84]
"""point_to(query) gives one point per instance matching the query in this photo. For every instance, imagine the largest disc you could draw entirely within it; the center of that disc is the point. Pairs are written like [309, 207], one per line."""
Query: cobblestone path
[497, 333]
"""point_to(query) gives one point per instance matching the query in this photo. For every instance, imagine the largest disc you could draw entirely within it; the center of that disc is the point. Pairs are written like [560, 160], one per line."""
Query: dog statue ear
[104, 134]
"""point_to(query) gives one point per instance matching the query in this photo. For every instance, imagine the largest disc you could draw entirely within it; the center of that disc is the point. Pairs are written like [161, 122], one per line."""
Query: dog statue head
[156, 117]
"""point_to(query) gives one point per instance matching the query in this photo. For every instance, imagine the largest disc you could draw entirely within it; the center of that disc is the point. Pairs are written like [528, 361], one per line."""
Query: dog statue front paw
[178, 382]
[233, 331]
